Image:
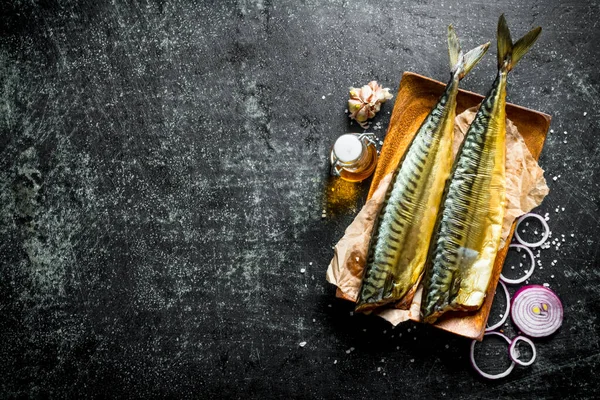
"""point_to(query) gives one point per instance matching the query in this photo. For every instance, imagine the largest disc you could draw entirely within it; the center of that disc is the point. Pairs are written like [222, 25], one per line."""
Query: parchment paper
[525, 189]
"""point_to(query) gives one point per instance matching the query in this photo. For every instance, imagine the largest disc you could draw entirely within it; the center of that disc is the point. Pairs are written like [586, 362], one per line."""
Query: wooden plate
[416, 97]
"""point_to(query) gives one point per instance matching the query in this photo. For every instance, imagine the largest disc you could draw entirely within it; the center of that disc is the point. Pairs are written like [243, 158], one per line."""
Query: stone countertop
[164, 170]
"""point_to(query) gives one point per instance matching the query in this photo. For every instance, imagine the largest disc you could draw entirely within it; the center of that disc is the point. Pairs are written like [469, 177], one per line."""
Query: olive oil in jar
[354, 157]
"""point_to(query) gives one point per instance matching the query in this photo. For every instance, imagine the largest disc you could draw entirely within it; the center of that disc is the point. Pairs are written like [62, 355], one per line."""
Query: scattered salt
[302, 270]
[546, 284]
[584, 113]
[310, 263]
[323, 97]
[562, 209]
[302, 344]
[552, 276]
[555, 178]
[335, 361]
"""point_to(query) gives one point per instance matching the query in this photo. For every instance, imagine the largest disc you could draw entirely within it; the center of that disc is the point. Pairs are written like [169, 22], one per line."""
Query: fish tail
[461, 63]
[510, 53]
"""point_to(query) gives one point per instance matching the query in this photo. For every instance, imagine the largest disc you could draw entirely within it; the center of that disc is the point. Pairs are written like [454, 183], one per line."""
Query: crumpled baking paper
[525, 189]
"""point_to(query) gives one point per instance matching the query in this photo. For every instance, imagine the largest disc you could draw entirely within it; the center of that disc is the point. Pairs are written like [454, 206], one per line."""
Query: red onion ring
[536, 311]
[544, 224]
[527, 274]
[506, 312]
[485, 374]
[513, 353]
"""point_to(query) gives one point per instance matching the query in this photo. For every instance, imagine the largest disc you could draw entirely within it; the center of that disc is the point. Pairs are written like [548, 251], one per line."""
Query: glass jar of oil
[354, 156]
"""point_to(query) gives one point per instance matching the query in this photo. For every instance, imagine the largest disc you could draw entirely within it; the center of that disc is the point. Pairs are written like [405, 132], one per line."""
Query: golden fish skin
[467, 236]
[400, 242]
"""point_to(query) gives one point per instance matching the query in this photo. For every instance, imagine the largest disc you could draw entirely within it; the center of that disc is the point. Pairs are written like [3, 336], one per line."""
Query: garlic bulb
[366, 101]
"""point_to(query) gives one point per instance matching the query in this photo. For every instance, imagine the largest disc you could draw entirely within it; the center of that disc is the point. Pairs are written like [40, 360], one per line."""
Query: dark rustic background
[163, 172]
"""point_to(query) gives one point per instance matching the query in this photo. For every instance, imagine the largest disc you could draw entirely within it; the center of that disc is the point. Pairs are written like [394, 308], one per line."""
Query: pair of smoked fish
[442, 219]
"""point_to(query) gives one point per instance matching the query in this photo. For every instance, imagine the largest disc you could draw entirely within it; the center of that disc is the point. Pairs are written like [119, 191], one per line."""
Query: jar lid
[348, 148]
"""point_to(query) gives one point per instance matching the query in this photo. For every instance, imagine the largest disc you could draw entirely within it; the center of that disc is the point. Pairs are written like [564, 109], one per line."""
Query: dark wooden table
[163, 171]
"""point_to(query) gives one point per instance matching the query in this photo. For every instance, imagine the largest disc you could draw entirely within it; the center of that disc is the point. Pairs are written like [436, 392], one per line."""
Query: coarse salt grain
[302, 270]
[302, 344]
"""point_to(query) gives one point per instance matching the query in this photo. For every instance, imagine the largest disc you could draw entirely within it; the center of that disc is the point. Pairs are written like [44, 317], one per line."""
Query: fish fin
[454, 50]
[508, 53]
[472, 58]
[524, 44]
[463, 63]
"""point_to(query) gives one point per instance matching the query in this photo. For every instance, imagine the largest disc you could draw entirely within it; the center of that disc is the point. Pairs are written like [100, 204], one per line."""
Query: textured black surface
[164, 168]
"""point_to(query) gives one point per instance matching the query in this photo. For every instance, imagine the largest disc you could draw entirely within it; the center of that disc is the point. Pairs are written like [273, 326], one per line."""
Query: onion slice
[506, 312]
[544, 224]
[527, 274]
[485, 374]
[514, 353]
[536, 311]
